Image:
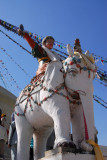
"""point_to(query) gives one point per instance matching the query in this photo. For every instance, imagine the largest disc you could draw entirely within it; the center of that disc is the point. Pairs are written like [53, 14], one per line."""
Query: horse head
[79, 70]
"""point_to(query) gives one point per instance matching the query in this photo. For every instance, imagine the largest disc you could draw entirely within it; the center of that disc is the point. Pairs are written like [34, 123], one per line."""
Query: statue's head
[48, 42]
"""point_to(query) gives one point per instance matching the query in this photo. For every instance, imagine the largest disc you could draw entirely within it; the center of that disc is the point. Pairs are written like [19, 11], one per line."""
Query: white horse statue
[44, 105]
[79, 74]
[41, 107]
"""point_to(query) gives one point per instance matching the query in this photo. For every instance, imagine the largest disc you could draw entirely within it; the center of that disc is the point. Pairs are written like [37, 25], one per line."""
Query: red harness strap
[86, 129]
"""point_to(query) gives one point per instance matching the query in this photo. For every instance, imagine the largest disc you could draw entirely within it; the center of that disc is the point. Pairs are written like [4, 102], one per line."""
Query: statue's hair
[47, 37]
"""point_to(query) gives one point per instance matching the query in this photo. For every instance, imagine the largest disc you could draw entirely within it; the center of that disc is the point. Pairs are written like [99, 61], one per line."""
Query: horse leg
[40, 140]
[88, 116]
[77, 121]
[24, 135]
[59, 111]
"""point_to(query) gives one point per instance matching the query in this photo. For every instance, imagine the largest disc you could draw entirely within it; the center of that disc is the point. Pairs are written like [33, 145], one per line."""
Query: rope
[15, 62]
[36, 37]
[53, 49]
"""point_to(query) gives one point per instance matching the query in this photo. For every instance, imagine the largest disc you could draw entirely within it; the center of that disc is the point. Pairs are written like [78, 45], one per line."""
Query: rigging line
[61, 43]
[2, 78]
[38, 42]
[15, 62]
[99, 56]
[102, 70]
[100, 103]
[100, 99]
[22, 46]
[62, 57]
[10, 86]
[3, 64]
[13, 28]
[7, 78]
[15, 41]
[61, 52]
[103, 83]
[25, 48]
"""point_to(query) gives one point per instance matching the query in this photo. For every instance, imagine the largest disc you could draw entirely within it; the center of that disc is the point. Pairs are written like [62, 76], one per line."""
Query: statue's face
[49, 43]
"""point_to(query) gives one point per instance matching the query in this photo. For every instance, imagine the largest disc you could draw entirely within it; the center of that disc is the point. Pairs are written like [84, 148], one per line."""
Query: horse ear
[89, 56]
[69, 50]
[87, 53]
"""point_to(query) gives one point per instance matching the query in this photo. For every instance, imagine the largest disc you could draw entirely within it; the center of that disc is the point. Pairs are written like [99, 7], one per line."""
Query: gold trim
[43, 58]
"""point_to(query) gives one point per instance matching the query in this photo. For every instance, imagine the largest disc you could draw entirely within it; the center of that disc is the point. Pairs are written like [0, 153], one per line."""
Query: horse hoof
[86, 147]
[67, 144]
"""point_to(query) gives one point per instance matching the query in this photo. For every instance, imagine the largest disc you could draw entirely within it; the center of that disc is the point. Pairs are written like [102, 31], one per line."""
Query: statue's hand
[20, 32]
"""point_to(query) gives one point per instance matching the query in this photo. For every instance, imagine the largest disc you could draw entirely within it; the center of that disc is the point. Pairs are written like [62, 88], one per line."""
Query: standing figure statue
[43, 105]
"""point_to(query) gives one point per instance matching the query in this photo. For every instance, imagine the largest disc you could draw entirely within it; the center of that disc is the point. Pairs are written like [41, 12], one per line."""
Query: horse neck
[53, 75]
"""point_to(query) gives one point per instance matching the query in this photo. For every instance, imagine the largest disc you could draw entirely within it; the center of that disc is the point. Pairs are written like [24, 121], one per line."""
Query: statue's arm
[30, 41]
[37, 50]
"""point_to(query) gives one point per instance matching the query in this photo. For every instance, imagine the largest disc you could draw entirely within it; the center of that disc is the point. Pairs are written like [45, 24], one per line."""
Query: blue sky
[65, 20]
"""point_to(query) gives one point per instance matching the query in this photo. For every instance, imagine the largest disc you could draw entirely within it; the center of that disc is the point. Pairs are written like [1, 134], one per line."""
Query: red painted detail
[71, 63]
[67, 97]
[28, 94]
[86, 129]
[74, 102]
[89, 75]
[77, 65]
[56, 91]
[64, 75]
[45, 99]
